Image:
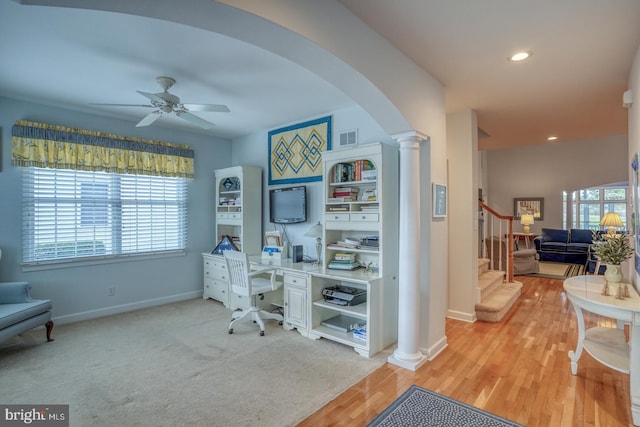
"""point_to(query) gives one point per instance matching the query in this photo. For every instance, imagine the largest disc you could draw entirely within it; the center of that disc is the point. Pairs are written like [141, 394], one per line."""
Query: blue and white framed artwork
[295, 152]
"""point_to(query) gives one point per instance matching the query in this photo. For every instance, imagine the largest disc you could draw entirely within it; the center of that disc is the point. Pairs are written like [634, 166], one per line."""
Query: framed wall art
[528, 205]
[295, 152]
[439, 200]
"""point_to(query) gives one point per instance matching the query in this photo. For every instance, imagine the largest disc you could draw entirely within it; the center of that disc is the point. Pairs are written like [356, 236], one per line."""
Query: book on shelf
[340, 199]
[338, 265]
[337, 208]
[358, 170]
[342, 244]
[344, 256]
[346, 190]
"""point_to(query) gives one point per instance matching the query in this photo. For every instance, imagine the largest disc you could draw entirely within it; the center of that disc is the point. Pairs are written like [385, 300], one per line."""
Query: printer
[344, 295]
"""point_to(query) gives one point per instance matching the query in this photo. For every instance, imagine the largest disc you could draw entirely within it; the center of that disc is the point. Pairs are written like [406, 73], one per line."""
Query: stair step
[495, 305]
[488, 281]
[483, 265]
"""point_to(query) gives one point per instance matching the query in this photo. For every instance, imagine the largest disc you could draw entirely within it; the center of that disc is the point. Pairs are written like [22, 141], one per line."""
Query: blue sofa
[20, 313]
[568, 246]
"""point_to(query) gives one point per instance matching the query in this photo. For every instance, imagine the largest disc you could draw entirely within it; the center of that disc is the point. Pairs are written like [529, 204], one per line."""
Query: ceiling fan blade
[192, 118]
[152, 96]
[218, 108]
[121, 105]
[149, 119]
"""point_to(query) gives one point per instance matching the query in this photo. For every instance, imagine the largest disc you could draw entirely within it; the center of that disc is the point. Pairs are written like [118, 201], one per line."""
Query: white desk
[608, 345]
[305, 307]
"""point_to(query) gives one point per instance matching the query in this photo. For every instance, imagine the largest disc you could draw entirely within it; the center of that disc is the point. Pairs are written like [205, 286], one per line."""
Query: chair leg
[49, 326]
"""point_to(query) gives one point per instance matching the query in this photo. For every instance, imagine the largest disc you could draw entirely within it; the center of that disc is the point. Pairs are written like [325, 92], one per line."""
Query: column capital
[410, 136]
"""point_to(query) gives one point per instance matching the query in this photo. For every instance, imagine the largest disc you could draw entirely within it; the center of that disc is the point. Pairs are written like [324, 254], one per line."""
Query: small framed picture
[439, 200]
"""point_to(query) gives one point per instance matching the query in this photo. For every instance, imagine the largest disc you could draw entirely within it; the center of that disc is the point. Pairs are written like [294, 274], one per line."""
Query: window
[71, 214]
[590, 205]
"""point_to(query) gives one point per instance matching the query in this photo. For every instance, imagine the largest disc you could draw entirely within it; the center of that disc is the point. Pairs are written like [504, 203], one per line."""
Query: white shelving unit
[239, 215]
[368, 174]
[371, 172]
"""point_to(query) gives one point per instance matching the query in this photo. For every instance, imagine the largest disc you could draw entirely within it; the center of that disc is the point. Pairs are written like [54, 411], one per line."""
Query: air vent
[349, 138]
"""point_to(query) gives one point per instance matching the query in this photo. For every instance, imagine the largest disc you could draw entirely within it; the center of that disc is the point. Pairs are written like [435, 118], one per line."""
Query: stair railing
[503, 225]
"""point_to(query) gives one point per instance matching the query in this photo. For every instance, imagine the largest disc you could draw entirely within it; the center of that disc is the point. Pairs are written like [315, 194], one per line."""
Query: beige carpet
[176, 365]
[558, 270]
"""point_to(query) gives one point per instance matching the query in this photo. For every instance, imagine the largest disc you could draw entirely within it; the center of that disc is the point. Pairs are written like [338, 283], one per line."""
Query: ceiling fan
[165, 102]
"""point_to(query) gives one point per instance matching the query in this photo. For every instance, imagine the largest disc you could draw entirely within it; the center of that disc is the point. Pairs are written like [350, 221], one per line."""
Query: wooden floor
[517, 368]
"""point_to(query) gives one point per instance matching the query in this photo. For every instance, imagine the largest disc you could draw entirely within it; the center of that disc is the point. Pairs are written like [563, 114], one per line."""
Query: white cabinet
[360, 221]
[239, 207]
[216, 279]
[296, 289]
[239, 216]
[361, 206]
[379, 313]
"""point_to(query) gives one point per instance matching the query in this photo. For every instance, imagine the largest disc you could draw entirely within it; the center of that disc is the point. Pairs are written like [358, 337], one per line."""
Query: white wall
[253, 150]
[81, 292]
[548, 169]
[462, 146]
[634, 132]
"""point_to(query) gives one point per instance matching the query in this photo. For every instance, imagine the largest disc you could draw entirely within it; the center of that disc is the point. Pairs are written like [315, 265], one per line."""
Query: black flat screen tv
[288, 205]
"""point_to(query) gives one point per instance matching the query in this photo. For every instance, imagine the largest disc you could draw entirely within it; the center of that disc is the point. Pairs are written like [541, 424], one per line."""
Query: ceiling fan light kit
[165, 103]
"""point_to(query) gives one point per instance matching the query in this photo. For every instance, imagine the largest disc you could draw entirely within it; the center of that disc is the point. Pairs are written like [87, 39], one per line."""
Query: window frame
[175, 218]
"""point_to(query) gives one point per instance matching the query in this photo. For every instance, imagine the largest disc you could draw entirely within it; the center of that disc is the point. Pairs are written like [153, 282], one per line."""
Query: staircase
[496, 295]
[497, 292]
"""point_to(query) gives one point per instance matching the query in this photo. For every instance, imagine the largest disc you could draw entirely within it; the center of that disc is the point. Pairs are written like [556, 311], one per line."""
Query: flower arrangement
[612, 250]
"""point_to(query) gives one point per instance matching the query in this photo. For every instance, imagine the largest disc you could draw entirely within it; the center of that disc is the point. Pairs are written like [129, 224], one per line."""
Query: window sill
[84, 262]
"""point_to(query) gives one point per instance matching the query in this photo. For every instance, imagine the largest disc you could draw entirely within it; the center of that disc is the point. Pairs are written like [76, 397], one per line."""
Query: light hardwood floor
[517, 368]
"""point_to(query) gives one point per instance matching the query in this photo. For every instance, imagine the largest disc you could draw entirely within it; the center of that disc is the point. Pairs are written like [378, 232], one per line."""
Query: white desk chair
[245, 283]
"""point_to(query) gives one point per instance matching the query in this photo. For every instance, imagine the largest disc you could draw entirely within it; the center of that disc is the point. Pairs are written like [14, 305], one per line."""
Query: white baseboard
[433, 351]
[108, 311]
[459, 315]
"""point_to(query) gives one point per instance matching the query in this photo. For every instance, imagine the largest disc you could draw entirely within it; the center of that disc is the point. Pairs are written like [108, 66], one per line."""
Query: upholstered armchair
[525, 261]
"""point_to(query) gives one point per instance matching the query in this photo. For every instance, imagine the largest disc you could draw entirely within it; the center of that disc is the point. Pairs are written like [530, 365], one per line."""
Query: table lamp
[612, 220]
[316, 231]
[526, 220]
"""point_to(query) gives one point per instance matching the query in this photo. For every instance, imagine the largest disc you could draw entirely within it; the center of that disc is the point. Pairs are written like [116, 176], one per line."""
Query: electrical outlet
[112, 291]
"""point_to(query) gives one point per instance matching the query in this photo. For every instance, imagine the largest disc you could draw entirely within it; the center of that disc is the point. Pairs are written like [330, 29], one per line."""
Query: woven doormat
[420, 407]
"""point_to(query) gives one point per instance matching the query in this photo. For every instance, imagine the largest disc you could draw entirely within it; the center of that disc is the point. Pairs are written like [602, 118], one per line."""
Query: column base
[410, 363]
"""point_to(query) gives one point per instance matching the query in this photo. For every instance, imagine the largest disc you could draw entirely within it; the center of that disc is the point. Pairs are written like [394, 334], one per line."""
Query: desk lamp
[612, 220]
[316, 231]
[526, 220]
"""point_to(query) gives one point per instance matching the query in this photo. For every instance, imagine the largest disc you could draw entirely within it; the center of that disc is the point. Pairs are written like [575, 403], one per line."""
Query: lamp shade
[314, 231]
[526, 219]
[611, 219]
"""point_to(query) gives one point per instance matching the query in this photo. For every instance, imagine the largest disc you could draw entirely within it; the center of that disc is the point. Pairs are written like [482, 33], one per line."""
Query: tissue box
[273, 253]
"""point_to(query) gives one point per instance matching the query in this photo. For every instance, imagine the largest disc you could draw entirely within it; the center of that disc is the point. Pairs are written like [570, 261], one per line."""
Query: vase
[613, 273]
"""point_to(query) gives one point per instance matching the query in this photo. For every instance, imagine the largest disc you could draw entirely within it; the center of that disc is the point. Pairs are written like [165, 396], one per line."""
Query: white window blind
[71, 214]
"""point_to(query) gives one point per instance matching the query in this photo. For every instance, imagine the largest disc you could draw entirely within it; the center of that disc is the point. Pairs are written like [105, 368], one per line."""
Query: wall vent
[348, 138]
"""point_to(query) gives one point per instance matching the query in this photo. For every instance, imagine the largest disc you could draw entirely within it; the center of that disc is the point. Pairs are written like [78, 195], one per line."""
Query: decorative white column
[408, 354]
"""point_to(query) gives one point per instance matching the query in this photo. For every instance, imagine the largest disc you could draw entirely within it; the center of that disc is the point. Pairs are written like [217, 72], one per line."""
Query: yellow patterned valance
[49, 146]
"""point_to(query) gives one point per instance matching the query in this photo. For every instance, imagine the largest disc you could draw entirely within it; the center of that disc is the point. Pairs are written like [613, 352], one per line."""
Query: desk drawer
[222, 215]
[295, 280]
[364, 217]
[332, 216]
[217, 290]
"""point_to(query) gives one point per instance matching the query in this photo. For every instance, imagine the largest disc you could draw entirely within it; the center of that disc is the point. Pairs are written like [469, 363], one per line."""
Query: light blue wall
[82, 292]
[253, 150]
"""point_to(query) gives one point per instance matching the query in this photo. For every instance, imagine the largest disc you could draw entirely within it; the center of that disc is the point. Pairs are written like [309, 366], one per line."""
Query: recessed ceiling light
[520, 56]
[552, 138]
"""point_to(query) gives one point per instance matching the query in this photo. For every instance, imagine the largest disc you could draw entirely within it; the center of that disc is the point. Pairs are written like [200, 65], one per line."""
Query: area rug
[558, 270]
[420, 407]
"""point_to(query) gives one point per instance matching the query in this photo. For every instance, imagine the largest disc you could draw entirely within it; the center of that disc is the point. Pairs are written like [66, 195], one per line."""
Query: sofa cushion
[578, 247]
[553, 246]
[555, 235]
[11, 314]
[581, 236]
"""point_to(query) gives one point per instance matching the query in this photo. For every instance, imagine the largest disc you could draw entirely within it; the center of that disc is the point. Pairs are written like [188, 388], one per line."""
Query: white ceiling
[571, 87]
